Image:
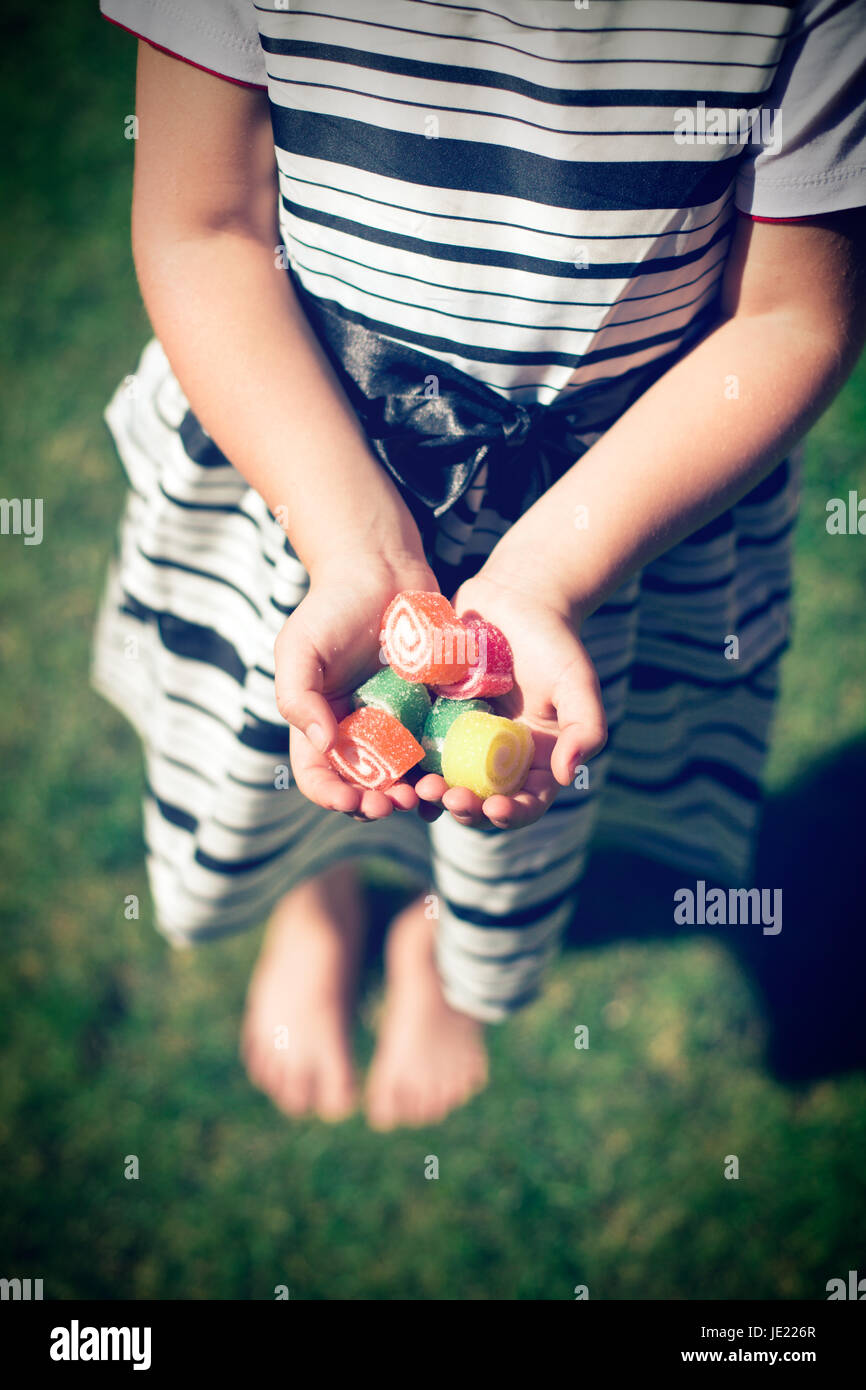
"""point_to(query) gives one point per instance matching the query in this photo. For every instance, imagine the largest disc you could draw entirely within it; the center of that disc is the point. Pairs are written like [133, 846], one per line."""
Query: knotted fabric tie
[434, 427]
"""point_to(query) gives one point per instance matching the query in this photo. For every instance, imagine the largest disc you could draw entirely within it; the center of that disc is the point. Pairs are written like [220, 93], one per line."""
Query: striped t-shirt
[540, 192]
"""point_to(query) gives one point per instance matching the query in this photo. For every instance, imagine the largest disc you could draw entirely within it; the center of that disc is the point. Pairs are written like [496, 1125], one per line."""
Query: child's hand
[556, 692]
[325, 650]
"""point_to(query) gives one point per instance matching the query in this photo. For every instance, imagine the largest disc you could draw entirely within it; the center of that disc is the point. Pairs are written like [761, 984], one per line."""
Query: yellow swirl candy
[487, 754]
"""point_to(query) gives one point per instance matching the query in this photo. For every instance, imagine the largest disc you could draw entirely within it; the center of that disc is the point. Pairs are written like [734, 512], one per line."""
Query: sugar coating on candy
[445, 711]
[423, 639]
[408, 701]
[491, 663]
[373, 750]
[437, 724]
[487, 754]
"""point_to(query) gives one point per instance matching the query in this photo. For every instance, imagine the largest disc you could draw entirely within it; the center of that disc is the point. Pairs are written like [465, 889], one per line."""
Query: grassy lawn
[601, 1167]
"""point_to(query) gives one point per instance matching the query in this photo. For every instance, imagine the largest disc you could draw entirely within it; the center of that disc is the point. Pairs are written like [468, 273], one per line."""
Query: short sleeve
[220, 36]
[812, 158]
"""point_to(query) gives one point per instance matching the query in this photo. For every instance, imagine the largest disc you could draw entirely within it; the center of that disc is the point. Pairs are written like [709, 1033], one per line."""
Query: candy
[373, 750]
[439, 721]
[491, 663]
[423, 639]
[487, 754]
[407, 701]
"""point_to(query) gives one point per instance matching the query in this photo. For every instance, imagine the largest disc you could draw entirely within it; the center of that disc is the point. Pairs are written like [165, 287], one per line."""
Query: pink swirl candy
[491, 664]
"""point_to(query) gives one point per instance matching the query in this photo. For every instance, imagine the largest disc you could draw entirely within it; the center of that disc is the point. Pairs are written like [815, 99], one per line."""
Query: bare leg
[429, 1057]
[297, 1029]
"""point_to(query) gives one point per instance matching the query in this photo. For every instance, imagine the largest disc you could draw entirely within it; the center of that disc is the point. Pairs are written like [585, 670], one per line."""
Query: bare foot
[295, 1039]
[429, 1057]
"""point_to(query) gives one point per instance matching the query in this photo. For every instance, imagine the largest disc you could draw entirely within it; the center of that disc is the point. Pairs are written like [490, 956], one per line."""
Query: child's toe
[336, 1095]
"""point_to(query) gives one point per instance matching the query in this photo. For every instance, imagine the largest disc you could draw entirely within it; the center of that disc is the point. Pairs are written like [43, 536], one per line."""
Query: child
[509, 301]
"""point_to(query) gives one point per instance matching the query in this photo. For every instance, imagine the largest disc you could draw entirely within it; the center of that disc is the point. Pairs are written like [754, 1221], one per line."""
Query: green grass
[602, 1167]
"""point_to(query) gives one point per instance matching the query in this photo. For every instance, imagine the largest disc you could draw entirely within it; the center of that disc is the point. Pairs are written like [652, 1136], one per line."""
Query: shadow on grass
[810, 975]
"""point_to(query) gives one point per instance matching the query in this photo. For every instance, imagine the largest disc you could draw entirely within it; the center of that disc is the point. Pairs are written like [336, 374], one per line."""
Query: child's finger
[298, 687]
[403, 796]
[526, 806]
[317, 780]
[431, 787]
[576, 745]
[464, 805]
[499, 810]
[323, 787]
[376, 805]
[581, 718]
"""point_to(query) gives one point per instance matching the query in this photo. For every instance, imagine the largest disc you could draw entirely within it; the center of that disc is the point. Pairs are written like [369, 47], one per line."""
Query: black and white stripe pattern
[500, 186]
[204, 581]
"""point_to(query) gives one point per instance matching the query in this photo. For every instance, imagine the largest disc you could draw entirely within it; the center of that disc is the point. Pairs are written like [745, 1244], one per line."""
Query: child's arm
[794, 304]
[794, 307]
[204, 233]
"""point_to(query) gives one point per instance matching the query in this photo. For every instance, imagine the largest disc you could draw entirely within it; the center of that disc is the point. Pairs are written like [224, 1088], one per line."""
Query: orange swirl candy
[424, 640]
[373, 750]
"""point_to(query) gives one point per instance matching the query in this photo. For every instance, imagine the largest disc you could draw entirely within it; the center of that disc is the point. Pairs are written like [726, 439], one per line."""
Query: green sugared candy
[407, 701]
[438, 722]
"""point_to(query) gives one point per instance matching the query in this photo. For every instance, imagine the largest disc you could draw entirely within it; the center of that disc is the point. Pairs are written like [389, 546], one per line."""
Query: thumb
[299, 677]
[581, 718]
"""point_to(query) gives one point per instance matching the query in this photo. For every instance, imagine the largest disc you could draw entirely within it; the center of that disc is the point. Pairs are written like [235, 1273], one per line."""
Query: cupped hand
[326, 648]
[556, 693]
